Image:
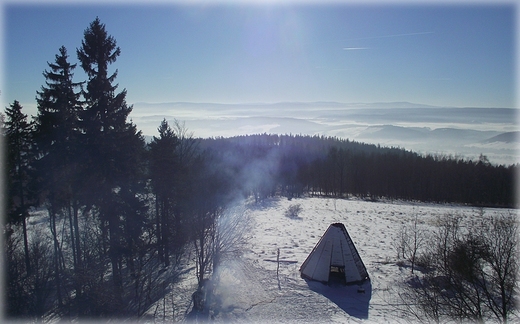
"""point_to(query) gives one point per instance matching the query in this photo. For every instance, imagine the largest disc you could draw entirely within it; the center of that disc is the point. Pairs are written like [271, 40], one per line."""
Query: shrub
[293, 211]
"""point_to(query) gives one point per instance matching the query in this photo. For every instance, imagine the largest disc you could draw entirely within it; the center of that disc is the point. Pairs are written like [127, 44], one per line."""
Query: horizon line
[360, 104]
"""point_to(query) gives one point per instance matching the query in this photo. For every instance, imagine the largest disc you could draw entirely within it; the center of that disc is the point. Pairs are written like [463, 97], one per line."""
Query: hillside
[249, 290]
[509, 137]
[267, 164]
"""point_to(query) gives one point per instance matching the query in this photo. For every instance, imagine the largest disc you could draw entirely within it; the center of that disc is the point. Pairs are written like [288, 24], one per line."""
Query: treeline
[121, 213]
[294, 165]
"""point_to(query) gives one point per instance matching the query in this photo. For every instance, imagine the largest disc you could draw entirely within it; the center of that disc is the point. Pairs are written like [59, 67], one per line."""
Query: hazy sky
[446, 55]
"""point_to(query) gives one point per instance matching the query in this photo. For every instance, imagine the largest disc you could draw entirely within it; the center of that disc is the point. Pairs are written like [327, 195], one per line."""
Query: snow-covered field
[249, 290]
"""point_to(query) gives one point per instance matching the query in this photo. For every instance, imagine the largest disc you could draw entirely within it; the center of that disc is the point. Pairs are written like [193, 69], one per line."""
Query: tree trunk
[115, 261]
[78, 266]
[165, 235]
[77, 236]
[26, 245]
[24, 225]
[158, 229]
[57, 271]
[71, 228]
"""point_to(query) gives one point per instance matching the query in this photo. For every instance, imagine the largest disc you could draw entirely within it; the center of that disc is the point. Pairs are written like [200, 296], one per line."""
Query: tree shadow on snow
[353, 299]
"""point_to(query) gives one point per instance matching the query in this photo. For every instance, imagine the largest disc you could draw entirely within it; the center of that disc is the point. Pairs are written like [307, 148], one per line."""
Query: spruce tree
[18, 132]
[112, 146]
[163, 174]
[57, 138]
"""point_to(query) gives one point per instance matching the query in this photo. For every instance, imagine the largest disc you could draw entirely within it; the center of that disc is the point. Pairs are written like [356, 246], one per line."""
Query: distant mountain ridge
[460, 131]
[509, 137]
[396, 104]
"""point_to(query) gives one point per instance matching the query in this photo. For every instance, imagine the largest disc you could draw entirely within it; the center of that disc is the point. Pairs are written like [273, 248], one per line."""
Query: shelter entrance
[337, 275]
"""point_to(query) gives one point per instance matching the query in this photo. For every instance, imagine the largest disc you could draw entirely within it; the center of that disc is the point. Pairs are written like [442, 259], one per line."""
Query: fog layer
[464, 132]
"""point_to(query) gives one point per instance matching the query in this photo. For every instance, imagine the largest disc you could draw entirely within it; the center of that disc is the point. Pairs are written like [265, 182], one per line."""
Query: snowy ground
[249, 289]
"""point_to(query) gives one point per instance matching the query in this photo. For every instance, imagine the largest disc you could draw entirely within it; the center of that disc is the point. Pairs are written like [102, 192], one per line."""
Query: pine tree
[113, 146]
[18, 132]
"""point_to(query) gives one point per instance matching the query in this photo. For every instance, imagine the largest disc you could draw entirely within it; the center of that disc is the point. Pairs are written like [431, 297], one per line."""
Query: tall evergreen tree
[111, 144]
[18, 132]
[56, 136]
[163, 173]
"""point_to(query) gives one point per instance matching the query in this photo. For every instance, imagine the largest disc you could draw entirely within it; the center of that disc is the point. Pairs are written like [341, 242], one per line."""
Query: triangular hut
[334, 259]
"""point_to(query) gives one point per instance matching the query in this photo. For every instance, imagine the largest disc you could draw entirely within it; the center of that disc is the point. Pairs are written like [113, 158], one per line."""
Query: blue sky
[445, 55]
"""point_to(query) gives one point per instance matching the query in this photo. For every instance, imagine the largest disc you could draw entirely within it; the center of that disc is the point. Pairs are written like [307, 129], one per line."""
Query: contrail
[393, 35]
[376, 37]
